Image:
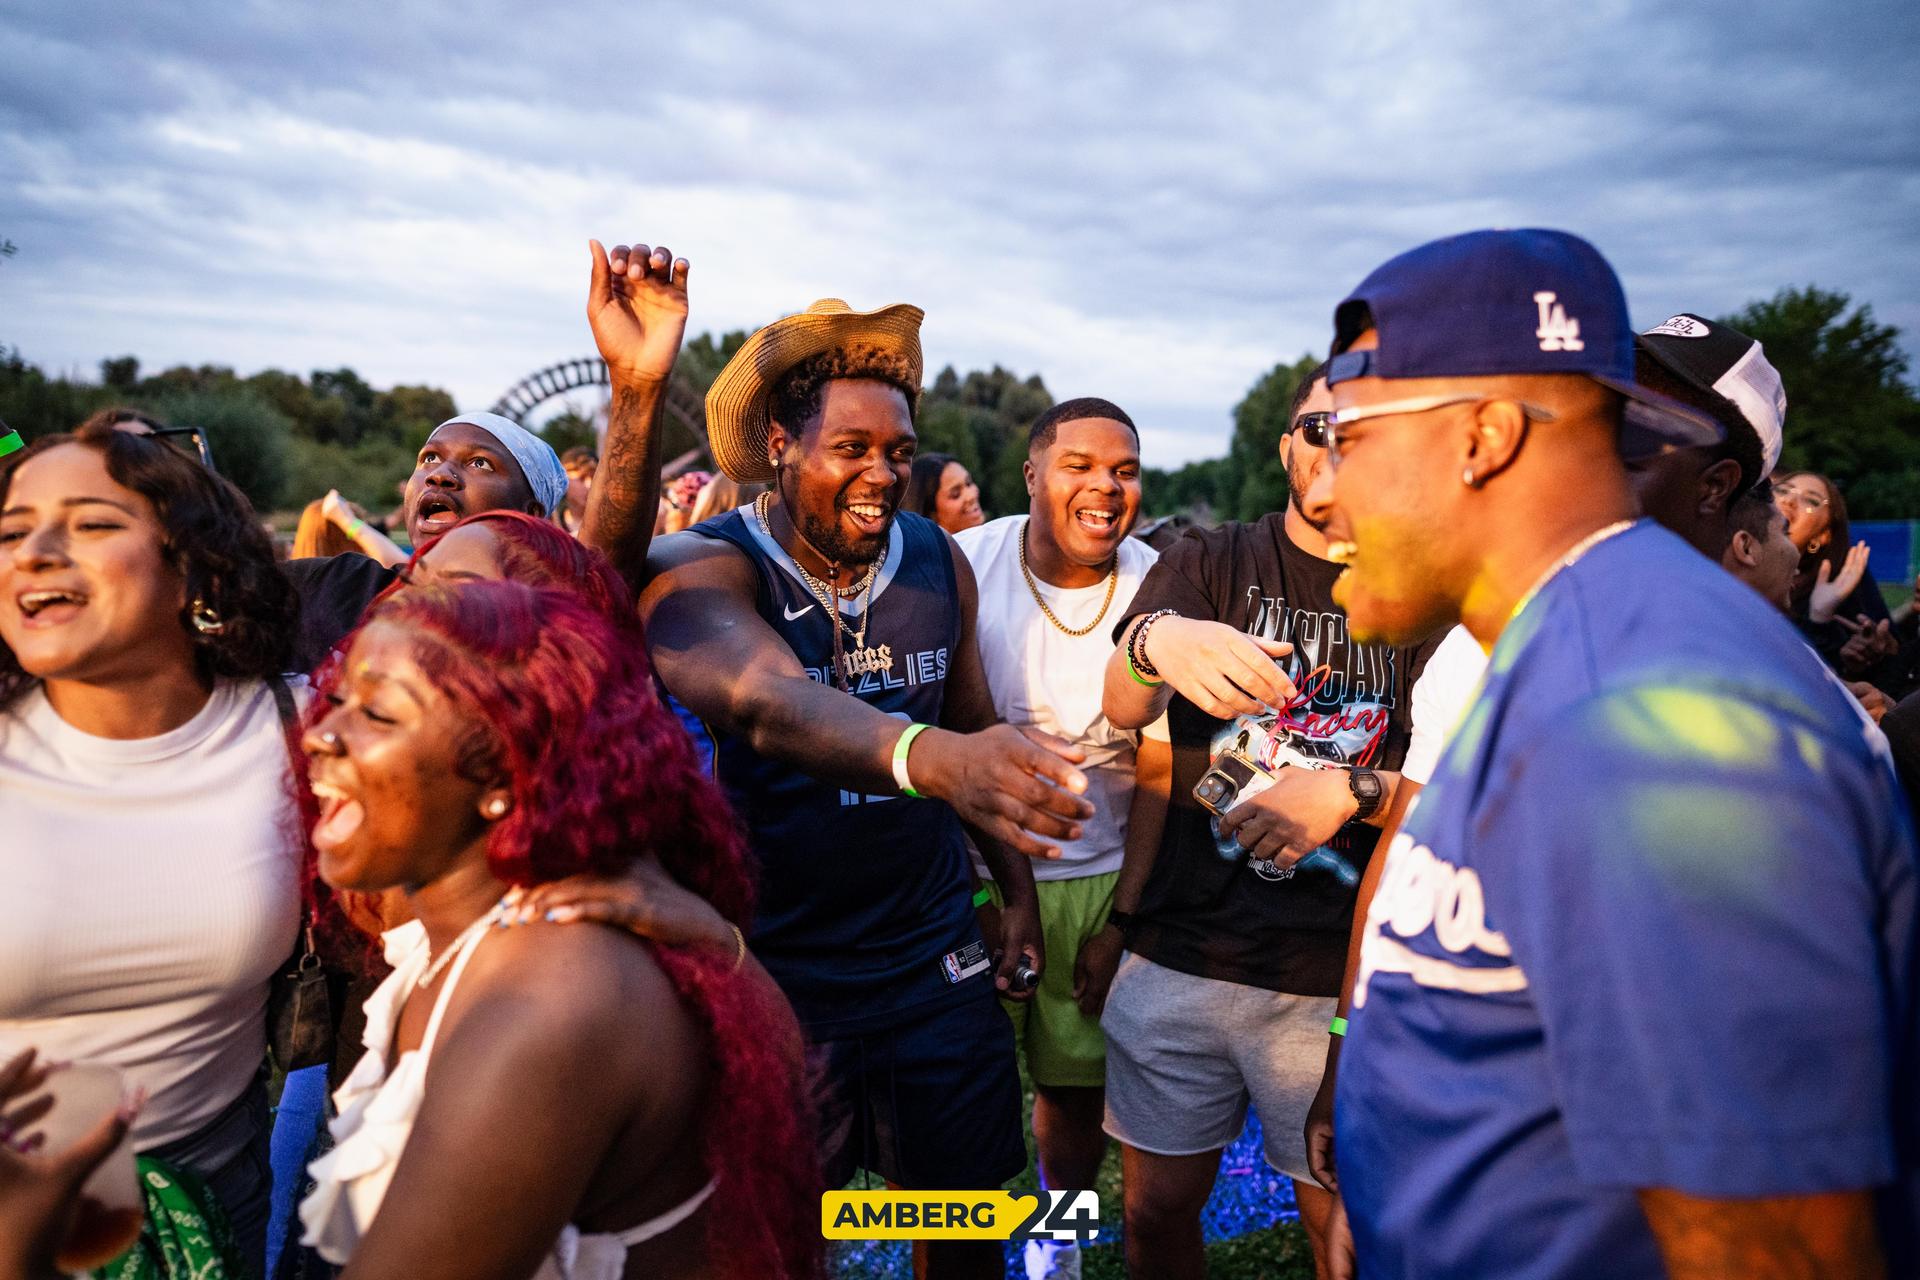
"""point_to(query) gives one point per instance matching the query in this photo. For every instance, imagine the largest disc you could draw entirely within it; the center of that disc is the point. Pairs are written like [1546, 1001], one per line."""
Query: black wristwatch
[1367, 792]
[1121, 920]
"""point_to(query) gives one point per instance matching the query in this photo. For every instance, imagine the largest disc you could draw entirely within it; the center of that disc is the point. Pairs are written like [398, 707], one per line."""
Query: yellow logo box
[960, 1215]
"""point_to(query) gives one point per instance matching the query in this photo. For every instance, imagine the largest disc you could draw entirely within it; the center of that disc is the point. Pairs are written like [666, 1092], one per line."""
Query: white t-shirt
[148, 890]
[1440, 699]
[1043, 677]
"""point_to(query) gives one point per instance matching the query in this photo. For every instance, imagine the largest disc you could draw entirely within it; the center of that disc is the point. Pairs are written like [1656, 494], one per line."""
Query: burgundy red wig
[560, 707]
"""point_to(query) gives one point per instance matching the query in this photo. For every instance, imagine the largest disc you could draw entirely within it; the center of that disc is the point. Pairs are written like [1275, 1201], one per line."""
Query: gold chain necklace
[1574, 552]
[827, 593]
[861, 660]
[1113, 580]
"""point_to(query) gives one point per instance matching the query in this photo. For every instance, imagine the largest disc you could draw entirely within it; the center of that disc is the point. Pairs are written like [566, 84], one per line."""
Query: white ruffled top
[376, 1114]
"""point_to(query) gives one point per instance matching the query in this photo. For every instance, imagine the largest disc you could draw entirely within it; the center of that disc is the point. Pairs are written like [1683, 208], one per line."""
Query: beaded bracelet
[1137, 647]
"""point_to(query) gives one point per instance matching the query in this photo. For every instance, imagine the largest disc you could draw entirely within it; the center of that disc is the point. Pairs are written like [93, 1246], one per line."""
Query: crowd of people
[1519, 821]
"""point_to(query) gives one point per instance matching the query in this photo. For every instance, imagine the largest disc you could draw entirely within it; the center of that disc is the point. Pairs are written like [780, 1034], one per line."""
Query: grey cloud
[1163, 201]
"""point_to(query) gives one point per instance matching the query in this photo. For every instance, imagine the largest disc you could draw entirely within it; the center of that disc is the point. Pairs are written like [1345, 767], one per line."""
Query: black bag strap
[290, 731]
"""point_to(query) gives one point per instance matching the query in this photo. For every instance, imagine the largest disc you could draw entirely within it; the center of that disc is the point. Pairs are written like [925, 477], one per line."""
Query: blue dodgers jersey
[1651, 925]
[864, 909]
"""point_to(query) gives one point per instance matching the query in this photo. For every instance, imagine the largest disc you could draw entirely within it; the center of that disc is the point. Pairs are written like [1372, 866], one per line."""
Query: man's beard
[831, 541]
[1297, 495]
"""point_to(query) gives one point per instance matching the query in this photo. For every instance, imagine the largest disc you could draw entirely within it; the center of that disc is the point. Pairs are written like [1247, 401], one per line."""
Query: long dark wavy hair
[923, 485]
[214, 539]
[561, 708]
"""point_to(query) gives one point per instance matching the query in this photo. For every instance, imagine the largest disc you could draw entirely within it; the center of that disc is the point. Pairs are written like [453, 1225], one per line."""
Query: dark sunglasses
[1313, 428]
[198, 437]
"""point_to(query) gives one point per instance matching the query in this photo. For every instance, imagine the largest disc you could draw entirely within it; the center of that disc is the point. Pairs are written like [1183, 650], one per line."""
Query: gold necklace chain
[1574, 552]
[1113, 581]
[827, 593]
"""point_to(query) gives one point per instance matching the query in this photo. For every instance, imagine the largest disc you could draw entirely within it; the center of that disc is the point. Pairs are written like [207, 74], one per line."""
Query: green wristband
[981, 898]
[11, 443]
[1338, 1027]
[1138, 678]
[900, 777]
[357, 528]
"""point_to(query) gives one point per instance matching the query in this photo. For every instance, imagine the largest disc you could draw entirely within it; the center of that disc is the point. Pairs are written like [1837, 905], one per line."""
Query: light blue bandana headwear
[538, 462]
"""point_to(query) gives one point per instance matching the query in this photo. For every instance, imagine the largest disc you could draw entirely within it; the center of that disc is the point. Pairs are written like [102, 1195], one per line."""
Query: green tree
[982, 420]
[1259, 420]
[121, 373]
[567, 429]
[1196, 489]
[407, 415]
[35, 405]
[346, 405]
[248, 436]
[1850, 412]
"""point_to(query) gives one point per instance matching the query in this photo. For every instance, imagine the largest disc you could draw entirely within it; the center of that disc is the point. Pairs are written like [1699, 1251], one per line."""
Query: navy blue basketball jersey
[864, 904]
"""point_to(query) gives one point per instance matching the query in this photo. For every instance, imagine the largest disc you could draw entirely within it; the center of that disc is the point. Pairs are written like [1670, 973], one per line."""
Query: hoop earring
[205, 620]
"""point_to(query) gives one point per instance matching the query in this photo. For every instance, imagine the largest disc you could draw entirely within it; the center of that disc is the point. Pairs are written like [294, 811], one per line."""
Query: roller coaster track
[685, 408]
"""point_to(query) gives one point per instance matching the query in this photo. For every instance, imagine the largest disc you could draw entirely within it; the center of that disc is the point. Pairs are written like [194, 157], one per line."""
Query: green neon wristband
[1140, 679]
[1338, 1027]
[900, 776]
[11, 443]
[981, 898]
[357, 528]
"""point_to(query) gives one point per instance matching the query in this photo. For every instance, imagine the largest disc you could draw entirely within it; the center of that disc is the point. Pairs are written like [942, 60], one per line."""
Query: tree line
[285, 439]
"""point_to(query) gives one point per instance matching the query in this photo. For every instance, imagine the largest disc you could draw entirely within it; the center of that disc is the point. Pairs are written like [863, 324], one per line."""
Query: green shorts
[1063, 1046]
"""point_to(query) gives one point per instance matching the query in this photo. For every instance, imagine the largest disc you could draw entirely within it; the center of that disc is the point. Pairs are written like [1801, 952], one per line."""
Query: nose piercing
[330, 740]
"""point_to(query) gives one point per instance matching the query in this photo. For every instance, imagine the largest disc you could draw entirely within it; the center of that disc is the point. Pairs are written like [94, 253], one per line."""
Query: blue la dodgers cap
[1530, 301]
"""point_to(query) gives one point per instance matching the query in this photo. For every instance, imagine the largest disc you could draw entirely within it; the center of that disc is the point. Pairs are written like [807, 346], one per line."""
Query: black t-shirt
[334, 592]
[1208, 908]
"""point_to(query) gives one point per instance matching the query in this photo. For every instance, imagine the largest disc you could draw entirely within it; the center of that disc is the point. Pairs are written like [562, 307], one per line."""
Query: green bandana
[185, 1235]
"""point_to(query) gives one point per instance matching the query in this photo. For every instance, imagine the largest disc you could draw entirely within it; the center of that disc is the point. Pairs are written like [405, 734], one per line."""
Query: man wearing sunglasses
[1238, 941]
[1636, 991]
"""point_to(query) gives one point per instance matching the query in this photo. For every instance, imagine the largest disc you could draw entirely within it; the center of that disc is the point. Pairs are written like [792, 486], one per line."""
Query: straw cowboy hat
[737, 401]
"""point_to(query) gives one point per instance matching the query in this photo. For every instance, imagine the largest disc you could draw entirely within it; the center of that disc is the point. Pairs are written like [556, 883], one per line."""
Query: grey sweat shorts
[1185, 1055]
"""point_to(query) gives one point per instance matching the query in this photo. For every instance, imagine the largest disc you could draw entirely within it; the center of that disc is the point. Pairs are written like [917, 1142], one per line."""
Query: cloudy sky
[1154, 206]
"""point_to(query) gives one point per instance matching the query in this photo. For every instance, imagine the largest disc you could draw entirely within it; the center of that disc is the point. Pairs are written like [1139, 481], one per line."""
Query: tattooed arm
[637, 306]
[626, 487]
[1809, 1237]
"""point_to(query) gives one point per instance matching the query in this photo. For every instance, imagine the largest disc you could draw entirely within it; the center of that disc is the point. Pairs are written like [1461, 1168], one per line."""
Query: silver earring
[205, 620]
[497, 807]
[1469, 479]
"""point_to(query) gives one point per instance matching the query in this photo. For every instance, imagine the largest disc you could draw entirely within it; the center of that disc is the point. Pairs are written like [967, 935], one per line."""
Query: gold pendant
[871, 659]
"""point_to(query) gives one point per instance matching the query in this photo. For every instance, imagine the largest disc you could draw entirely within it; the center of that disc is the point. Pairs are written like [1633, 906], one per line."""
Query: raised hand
[1830, 589]
[637, 306]
[1224, 672]
[1017, 785]
[335, 508]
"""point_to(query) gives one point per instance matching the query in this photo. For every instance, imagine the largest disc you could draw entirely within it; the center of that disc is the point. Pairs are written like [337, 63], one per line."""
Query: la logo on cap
[1556, 331]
